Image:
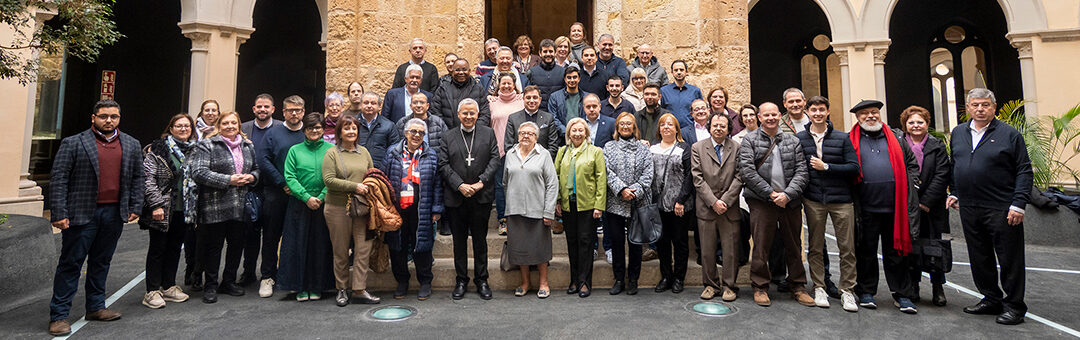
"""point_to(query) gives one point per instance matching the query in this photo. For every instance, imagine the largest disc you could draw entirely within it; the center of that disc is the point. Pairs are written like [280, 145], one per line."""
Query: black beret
[866, 104]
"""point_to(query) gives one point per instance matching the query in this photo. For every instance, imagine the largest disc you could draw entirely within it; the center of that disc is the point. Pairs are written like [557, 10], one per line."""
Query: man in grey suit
[713, 166]
[549, 137]
[97, 186]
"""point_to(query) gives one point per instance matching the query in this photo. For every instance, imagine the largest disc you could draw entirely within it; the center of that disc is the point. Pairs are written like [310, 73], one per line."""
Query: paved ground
[1050, 295]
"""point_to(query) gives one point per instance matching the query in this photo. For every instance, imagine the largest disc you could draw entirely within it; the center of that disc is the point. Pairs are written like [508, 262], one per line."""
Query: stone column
[214, 51]
[1027, 74]
[845, 87]
[879, 72]
[862, 65]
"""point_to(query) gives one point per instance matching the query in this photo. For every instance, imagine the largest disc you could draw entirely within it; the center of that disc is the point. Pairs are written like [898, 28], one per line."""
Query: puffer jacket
[629, 166]
[654, 72]
[381, 201]
[161, 175]
[753, 148]
[429, 195]
[832, 185]
[447, 97]
[212, 166]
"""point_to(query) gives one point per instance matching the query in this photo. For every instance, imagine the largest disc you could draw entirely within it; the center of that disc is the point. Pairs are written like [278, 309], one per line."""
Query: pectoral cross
[468, 160]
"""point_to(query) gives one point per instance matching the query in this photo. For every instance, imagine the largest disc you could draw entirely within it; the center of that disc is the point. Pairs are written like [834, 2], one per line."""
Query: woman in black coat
[934, 168]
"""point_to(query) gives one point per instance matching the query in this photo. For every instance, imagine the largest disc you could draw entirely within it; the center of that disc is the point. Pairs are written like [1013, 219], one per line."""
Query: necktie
[719, 154]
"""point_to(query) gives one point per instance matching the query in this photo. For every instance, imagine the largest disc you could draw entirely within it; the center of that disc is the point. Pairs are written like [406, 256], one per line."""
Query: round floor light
[710, 309]
[392, 313]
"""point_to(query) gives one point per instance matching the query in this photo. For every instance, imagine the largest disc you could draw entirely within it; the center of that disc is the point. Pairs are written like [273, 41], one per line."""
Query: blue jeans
[94, 243]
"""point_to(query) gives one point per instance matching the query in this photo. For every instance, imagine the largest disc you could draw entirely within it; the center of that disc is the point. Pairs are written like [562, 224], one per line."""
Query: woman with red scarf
[885, 202]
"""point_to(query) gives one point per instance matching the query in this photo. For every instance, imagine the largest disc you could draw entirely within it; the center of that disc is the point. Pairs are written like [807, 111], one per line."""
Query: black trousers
[273, 212]
[399, 259]
[616, 229]
[872, 227]
[927, 231]
[211, 240]
[470, 218]
[987, 235]
[580, 228]
[674, 237]
[163, 254]
[191, 251]
[252, 245]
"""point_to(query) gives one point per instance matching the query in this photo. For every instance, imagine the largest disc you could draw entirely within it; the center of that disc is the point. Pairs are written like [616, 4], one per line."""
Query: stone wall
[369, 38]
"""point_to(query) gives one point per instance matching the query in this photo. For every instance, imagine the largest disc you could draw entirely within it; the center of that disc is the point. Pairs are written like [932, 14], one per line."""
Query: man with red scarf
[885, 192]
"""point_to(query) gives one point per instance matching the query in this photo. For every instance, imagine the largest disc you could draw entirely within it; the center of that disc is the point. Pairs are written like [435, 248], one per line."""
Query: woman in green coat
[306, 263]
[582, 196]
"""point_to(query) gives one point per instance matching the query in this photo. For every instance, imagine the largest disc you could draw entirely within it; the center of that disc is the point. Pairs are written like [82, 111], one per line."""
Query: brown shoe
[762, 298]
[729, 295]
[708, 293]
[103, 315]
[804, 299]
[59, 328]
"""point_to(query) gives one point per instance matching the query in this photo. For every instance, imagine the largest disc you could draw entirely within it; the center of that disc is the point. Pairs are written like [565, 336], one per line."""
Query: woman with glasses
[411, 165]
[305, 261]
[530, 179]
[629, 179]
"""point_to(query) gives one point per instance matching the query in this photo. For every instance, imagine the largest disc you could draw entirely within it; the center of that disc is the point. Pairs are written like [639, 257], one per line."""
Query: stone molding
[200, 33]
[1052, 35]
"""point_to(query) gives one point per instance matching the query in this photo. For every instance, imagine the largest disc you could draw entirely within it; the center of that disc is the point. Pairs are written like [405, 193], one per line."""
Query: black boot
[939, 295]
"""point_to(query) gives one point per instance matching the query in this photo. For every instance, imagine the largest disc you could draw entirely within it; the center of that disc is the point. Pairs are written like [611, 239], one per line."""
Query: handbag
[646, 225]
[932, 255]
[356, 205]
[252, 205]
[504, 259]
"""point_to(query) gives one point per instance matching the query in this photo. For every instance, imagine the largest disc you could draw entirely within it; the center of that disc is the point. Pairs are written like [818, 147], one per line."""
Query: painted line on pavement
[108, 302]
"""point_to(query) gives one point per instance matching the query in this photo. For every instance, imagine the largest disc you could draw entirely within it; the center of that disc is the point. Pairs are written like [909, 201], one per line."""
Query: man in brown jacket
[713, 165]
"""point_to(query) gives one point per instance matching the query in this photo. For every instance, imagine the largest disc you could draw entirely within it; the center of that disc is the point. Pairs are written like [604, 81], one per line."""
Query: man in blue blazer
[97, 186]
[601, 126]
[396, 103]
[699, 128]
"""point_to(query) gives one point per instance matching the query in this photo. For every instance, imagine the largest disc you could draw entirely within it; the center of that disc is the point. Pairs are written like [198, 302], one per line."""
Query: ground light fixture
[710, 309]
[392, 313]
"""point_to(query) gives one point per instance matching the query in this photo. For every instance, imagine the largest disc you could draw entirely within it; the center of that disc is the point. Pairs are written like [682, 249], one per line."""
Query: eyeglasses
[314, 128]
[416, 132]
[527, 133]
[107, 117]
[292, 110]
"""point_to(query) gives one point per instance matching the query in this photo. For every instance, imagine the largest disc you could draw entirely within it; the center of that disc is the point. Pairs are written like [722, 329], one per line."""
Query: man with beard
[505, 64]
[614, 105]
[679, 94]
[255, 130]
[547, 76]
[446, 98]
[355, 91]
[795, 119]
[271, 154]
[398, 101]
[886, 195]
[468, 162]
[565, 104]
[646, 61]
[430, 71]
[491, 48]
[608, 61]
[97, 186]
[774, 174]
[648, 117]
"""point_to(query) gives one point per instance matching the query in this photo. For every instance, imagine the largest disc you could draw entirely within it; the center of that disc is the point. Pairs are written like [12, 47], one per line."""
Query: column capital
[879, 55]
[842, 55]
[1023, 47]
[200, 33]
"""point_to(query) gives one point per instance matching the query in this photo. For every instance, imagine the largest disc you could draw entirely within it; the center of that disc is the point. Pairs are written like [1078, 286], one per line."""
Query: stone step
[558, 276]
[444, 245]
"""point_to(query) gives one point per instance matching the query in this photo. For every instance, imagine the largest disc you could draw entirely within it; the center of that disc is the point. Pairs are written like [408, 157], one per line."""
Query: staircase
[558, 268]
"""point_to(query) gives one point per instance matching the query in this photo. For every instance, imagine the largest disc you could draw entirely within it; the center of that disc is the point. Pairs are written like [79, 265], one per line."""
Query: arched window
[958, 63]
[818, 65]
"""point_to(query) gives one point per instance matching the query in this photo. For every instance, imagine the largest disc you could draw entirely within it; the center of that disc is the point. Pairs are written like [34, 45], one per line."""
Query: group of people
[309, 195]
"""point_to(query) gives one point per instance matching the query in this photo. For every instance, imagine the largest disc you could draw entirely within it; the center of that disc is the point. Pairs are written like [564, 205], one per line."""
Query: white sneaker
[174, 294]
[849, 301]
[608, 253]
[153, 299]
[821, 299]
[266, 288]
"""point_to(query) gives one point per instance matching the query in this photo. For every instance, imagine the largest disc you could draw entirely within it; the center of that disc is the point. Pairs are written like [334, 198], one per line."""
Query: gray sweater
[532, 185]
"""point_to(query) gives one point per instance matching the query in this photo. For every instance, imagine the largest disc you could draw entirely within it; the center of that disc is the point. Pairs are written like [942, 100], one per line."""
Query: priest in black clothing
[468, 161]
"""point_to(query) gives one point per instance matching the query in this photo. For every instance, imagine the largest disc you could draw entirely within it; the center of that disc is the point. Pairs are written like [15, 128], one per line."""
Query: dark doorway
[934, 40]
[539, 19]
[790, 47]
[283, 57]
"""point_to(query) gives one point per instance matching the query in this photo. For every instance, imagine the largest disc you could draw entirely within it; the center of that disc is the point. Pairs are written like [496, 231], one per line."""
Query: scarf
[203, 127]
[412, 163]
[237, 153]
[901, 233]
[917, 148]
[178, 148]
[329, 128]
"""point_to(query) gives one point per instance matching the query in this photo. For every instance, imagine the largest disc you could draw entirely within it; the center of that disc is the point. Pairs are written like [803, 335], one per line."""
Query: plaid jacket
[212, 166]
[74, 178]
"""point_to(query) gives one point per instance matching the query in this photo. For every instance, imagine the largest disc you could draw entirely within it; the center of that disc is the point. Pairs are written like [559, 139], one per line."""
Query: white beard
[872, 128]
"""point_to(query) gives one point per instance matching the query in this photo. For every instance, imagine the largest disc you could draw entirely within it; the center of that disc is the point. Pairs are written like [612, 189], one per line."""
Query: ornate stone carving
[1023, 48]
[879, 55]
[842, 55]
[200, 41]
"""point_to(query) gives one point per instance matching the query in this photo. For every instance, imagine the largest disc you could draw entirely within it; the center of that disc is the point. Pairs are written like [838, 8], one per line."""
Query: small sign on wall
[108, 84]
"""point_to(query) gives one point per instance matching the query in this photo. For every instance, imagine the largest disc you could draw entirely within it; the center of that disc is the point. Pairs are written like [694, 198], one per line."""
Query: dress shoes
[662, 286]
[617, 288]
[677, 286]
[573, 289]
[209, 295]
[584, 291]
[59, 328]
[367, 299]
[103, 315]
[984, 307]
[231, 289]
[1010, 318]
[342, 298]
[631, 287]
[459, 290]
[761, 297]
[484, 290]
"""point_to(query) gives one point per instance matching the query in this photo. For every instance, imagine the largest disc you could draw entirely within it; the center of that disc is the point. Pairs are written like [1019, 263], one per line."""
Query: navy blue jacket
[549, 78]
[832, 185]
[595, 83]
[689, 134]
[272, 151]
[74, 179]
[616, 66]
[604, 130]
[429, 195]
[557, 107]
[994, 174]
[376, 138]
[393, 107]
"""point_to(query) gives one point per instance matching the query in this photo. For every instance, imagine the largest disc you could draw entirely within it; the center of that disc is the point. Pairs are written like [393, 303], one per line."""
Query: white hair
[980, 93]
[414, 67]
[467, 101]
[414, 121]
[577, 120]
[414, 40]
[529, 124]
